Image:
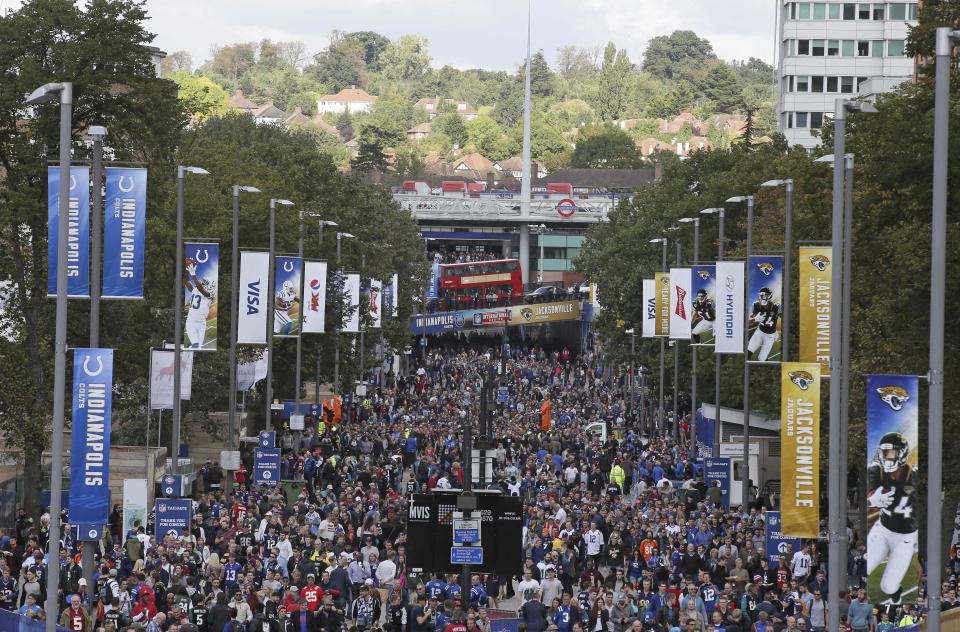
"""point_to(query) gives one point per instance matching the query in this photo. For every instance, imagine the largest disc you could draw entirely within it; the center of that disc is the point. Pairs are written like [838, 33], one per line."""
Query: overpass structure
[504, 208]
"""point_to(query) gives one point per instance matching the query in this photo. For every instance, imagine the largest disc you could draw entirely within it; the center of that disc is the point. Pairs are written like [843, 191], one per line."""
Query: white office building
[837, 49]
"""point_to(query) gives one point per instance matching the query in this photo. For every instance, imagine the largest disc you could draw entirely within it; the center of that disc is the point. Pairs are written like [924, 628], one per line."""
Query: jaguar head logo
[765, 268]
[704, 274]
[803, 379]
[820, 262]
[526, 313]
[893, 396]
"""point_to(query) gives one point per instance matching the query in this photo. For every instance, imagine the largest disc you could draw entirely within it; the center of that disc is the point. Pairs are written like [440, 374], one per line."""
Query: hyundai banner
[172, 516]
[893, 486]
[779, 548]
[266, 466]
[800, 448]
[716, 473]
[201, 269]
[78, 232]
[375, 303]
[815, 305]
[287, 296]
[315, 296]
[680, 303]
[351, 302]
[729, 329]
[124, 228]
[703, 291]
[252, 310]
[161, 378]
[649, 298]
[90, 438]
[662, 288]
[764, 296]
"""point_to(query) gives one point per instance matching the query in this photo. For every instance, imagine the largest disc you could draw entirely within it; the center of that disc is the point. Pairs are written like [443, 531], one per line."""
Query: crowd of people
[619, 536]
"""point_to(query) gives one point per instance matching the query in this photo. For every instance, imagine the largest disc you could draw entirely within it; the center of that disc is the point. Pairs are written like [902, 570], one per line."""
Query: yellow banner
[800, 449]
[543, 312]
[815, 294]
[662, 289]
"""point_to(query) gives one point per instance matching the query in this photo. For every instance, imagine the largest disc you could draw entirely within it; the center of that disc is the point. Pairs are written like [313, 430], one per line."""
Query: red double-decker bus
[480, 284]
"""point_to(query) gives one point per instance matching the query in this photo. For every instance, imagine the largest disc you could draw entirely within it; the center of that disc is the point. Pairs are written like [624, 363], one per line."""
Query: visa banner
[681, 308]
[662, 289]
[814, 305]
[124, 230]
[287, 296]
[315, 296]
[394, 301]
[90, 438]
[649, 298]
[252, 310]
[800, 449]
[78, 232]
[730, 292]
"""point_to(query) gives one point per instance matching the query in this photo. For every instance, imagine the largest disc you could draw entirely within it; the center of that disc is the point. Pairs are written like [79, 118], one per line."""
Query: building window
[877, 48]
[801, 119]
[803, 83]
[878, 11]
[912, 10]
[863, 12]
[789, 120]
[804, 10]
[819, 11]
[860, 82]
[895, 48]
[846, 85]
[863, 48]
[833, 48]
[818, 48]
[849, 11]
[834, 11]
[803, 47]
[832, 84]
[847, 48]
[897, 11]
[816, 120]
[791, 48]
[793, 10]
[816, 83]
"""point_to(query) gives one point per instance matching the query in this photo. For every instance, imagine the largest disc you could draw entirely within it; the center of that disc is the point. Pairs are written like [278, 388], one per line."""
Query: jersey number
[195, 302]
[903, 508]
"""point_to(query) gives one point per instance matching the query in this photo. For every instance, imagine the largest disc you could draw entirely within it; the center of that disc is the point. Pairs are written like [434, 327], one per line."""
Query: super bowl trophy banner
[78, 232]
[351, 302]
[662, 288]
[201, 269]
[315, 296]
[649, 298]
[124, 230]
[814, 305]
[703, 291]
[252, 310]
[729, 330]
[800, 449]
[892, 507]
[287, 296]
[764, 292]
[90, 439]
[681, 310]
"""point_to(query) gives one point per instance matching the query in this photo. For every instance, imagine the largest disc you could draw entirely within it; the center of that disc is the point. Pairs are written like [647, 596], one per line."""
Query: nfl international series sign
[287, 296]
[201, 269]
[266, 466]
[161, 378]
[172, 516]
[814, 305]
[90, 437]
[892, 507]
[681, 309]
[375, 308]
[800, 448]
[315, 296]
[703, 291]
[764, 282]
[351, 302]
[729, 330]
[716, 473]
[662, 289]
[779, 548]
[252, 310]
[78, 232]
[649, 297]
[124, 229]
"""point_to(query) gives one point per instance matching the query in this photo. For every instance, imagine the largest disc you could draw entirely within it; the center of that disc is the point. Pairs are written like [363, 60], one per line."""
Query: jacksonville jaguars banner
[90, 438]
[814, 306]
[287, 296]
[124, 229]
[662, 294]
[764, 281]
[201, 269]
[681, 311]
[315, 296]
[78, 232]
[702, 289]
[729, 330]
[800, 449]
[375, 308]
[351, 302]
[892, 506]
[252, 310]
[649, 297]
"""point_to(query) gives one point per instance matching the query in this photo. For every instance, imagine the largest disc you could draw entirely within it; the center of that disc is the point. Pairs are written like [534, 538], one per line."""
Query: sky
[488, 34]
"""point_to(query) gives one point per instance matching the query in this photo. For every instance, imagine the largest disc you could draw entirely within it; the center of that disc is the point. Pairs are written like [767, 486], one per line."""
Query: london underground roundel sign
[566, 208]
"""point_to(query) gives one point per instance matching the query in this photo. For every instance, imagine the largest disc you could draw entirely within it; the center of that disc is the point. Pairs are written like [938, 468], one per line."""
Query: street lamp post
[336, 346]
[693, 349]
[44, 94]
[663, 266]
[271, 276]
[745, 479]
[296, 377]
[633, 350]
[676, 372]
[719, 211]
[234, 305]
[541, 231]
[316, 384]
[787, 260]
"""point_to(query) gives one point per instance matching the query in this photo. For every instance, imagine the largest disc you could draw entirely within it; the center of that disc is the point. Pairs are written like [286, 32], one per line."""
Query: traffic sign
[466, 555]
[466, 531]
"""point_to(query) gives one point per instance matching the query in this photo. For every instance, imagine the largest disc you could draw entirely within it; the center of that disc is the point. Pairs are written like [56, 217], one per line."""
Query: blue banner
[266, 466]
[287, 296]
[172, 516]
[764, 300]
[267, 439]
[124, 228]
[90, 438]
[704, 304]
[706, 431]
[201, 268]
[306, 409]
[78, 232]
[171, 485]
[717, 470]
[778, 548]
[433, 289]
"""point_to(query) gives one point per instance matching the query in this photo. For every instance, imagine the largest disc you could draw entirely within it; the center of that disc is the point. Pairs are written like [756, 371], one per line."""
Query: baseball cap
[82, 582]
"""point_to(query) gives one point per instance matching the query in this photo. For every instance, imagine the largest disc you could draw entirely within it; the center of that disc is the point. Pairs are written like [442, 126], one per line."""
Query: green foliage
[567, 115]
[201, 97]
[486, 137]
[669, 56]
[723, 88]
[544, 140]
[405, 59]
[373, 46]
[451, 126]
[921, 41]
[614, 83]
[673, 102]
[341, 65]
[605, 147]
[541, 77]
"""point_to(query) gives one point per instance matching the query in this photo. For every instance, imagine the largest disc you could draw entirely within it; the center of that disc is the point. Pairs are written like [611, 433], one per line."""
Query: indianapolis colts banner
[78, 232]
[814, 305]
[729, 331]
[90, 438]
[893, 509]
[124, 229]
[649, 297]
[287, 296]
[764, 284]
[662, 293]
[800, 448]
[702, 289]
[681, 310]
[351, 302]
[315, 296]
[201, 269]
[375, 303]
[252, 310]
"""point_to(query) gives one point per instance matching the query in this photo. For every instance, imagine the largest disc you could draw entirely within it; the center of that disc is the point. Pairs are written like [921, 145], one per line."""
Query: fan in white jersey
[282, 304]
[202, 293]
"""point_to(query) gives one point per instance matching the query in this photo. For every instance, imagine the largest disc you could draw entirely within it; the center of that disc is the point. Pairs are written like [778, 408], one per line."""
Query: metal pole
[316, 383]
[745, 495]
[787, 269]
[833, 488]
[177, 325]
[296, 379]
[271, 280]
[60, 357]
[235, 309]
[336, 338]
[693, 355]
[938, 246]
[663, 267]
[543, 229]
[676, 375]
[363, 263]
[633, 371]
[845, 361]
[716, 360]
[525, 183]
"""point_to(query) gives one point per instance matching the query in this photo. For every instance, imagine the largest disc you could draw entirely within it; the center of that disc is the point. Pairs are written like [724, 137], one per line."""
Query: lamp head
[327, 222]
[861, 106]
[97, 131]
[629, 332]
[345, 235]
[658, 240]
[711, 211]
[248, 189]
[739, 198]
[773, 183]
[200, 171]
[687, 220]
[45, 93]
[282, 202]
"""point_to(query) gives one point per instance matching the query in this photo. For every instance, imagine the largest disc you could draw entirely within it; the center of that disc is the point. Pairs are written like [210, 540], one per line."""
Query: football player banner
[201, 269]
[702, 289]
[662, 289]
[814, 305]
[892, 508]
[649, 298]
[90, 437]
[78, 232]
[764, 280]
[729, 288]
[375, 303]
[124, 228]
[681, 310]
[287, 296]
[351, 302]
[252, 310]
[778, 547]
[800, 449]
[161, 378]
[315, 296]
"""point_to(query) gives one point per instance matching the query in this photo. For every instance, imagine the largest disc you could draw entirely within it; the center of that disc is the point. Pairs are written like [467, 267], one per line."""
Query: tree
[722, 87]
[370, 156]
[451, 125]
[575, 64]
[666, 53]
[753, 71]
[544, 140]
[405, 59]
[373, 46]
[567, 115]
[344, 125]
[672, 102]
[201, 97]
[177, 60]
[541, 77]
[509, 103]
[340, 66]
[486, 137]
[615, 82]
[229, 62]
[605, 147]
